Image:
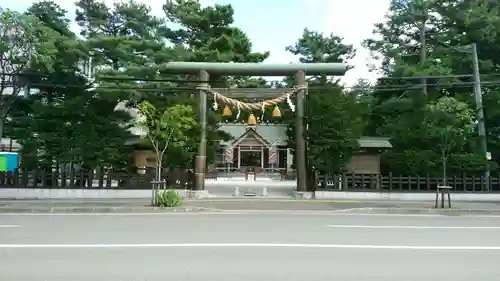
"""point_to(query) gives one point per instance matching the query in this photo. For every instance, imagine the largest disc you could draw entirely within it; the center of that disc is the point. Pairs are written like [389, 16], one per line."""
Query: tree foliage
[424, 102]
[333, 117]
[62, 121]
[432, 39]
[449, 124]
[166, 129]
[24, 41]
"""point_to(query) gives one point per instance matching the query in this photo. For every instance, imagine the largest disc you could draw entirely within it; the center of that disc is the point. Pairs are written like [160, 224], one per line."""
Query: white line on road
[9, 226]
[257, 212]
[419, 215]
[254, 245]
[120, 214]
[411, 226]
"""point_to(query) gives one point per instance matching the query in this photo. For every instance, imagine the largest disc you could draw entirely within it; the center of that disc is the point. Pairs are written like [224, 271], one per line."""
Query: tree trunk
[158, 170]
[159, 164]
[2, 121]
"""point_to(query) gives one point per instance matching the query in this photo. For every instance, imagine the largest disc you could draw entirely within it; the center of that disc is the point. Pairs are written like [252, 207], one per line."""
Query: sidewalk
[228, 189]
[87, 206]
[247, 204]
[332, 205]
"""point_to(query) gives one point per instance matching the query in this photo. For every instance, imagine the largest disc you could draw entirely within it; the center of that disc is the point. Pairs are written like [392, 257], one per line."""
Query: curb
[429, 211]
[102, 210]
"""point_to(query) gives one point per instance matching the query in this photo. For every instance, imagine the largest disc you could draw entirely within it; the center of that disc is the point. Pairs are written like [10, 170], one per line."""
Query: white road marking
[254, 245]
[417, 215]
[119, 214]
[9, 226]
[411, 226]
[257, 212]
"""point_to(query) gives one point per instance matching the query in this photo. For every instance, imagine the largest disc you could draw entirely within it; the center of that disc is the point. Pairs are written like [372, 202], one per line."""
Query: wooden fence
[388, 183]
[182, 179]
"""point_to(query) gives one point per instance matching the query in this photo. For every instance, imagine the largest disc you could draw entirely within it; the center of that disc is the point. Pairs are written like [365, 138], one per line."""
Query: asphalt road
[257, 246]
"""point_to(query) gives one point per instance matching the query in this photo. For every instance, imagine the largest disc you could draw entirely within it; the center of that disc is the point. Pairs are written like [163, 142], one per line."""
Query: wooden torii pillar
[205, 69]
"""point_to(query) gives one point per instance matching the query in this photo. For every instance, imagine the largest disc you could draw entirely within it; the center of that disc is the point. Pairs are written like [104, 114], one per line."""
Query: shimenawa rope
[250, 106]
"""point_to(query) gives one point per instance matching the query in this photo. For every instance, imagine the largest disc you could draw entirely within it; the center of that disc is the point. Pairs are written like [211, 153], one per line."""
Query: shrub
[168, 198]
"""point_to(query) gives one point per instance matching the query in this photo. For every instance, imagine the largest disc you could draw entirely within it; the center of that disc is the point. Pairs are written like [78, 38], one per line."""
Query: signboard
[3, 164]
[9, 161]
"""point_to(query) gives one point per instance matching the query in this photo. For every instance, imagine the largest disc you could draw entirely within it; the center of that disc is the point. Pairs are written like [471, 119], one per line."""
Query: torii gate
[204, 69]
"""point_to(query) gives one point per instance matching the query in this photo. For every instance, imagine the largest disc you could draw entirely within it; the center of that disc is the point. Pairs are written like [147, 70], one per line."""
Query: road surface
[248, 246]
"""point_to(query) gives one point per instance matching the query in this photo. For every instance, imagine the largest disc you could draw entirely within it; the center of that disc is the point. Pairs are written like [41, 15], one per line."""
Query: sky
[279, 23]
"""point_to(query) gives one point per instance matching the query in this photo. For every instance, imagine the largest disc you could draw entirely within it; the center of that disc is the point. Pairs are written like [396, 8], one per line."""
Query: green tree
[335, 125]
[333, 117]
[316, 47]
[125, 42]
[128, 44]
[24, 40]
[208, 33]
[449, 124]
[166, 129]
[52, 16]
[64, 122]
[429, 39]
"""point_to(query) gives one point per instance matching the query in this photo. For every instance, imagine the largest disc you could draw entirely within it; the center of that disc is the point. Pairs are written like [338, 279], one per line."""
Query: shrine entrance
[250, 158]
[294, 97]
[251, 150]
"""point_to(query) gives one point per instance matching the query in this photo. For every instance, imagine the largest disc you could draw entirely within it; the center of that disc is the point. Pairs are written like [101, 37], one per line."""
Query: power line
[107, 78]
[144, 79]
[395, 87]
[175, 88]
[400, 87]
[430, 77]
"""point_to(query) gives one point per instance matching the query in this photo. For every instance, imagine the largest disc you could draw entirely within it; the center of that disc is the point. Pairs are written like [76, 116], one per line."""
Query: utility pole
[478, 95]
[423, 54]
